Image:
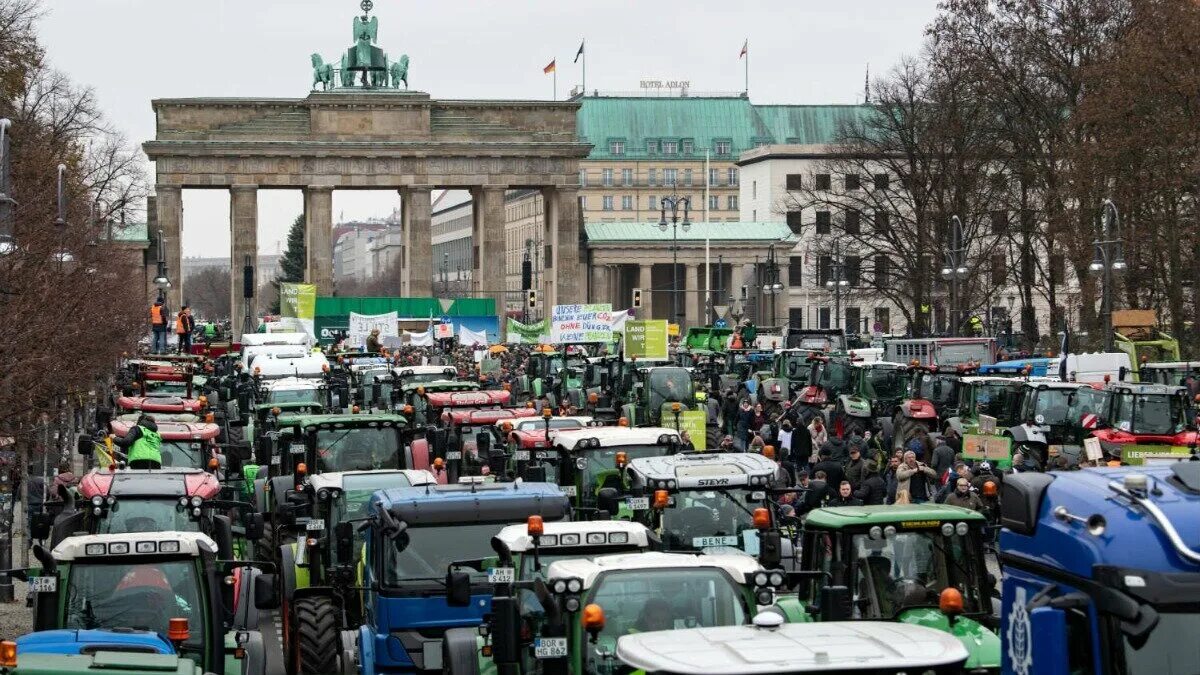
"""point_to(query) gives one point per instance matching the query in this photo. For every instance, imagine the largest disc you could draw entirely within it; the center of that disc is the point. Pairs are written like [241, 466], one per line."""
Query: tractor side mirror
[266, 594]
[85, 445]
[42, 555]
[604, 379]
[255, 528]
[607, 500]
[483, 443]
[458, 589]
[40, 525]
[770, 549]
[343, 534]
[835, 603]
[535, 473]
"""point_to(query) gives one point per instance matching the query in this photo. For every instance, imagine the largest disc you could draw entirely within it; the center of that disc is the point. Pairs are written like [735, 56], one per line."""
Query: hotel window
[607, 176]
[714, 176]
[626, 176]
[723, 147]
[714, 202]
[653, 177]
[733, 176]
[687, 147]
[668, 147]
[823, 222]
[792, 182]
[652, 203]
[670, 176]
[852, 223]
[732, 203]
[852, 182]
[651, 147]
[607, 203]
[881, 181]
[687, 177]
[823, 181]
[626, 203]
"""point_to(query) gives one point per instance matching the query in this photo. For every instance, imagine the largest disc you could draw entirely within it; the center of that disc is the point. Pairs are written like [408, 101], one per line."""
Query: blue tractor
[417, 543]
[1101, 571]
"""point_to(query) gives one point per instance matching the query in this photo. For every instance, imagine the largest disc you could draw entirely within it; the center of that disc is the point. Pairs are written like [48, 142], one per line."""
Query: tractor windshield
[183, 454]
[1065, 406]
[144, 596]
[294, 396]
[1148, 413]
[642, 600]
[601, 470]
[885, 383]
[938, 389]
[794, 366]
[911, 569]
[146, 515]
[704, 520]
[998, 399]
[430, 549]
[358, 449]
[669, 385]
[1169, 649]
[836, 377]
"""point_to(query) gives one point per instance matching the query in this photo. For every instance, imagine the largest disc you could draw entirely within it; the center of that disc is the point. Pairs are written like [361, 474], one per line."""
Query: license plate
[550, 648]
[315, 525]
[705, 542]
[542, 454]
[569, 490]
[453, 454]
[297, 448]
[521, 455]
[43, 584]
[638, 503]
[501, 575]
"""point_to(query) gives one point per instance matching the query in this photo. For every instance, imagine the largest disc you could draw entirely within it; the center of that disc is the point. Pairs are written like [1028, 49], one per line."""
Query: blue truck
[1101, 571]
[418, 542]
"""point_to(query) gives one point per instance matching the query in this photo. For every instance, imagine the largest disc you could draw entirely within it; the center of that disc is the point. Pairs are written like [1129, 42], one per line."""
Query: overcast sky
[131, 51]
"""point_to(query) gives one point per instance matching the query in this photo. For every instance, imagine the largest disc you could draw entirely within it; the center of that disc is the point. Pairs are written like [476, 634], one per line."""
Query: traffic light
[526, 274]
[637, 297]
[531, 299]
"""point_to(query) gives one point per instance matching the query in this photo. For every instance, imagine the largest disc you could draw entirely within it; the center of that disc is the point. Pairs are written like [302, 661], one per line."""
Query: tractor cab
[413, 398]
[656, 393]
[470, 442]
[743, 370]
[567, 540]
[588, 463]
[1147, 419]
[932, 395]
[918, 564]
[169, 583]
[189, 445]
[704, 502]
[1053, 416]
[542, 367]
[1171, 373]
[998, 397]
[824, 340]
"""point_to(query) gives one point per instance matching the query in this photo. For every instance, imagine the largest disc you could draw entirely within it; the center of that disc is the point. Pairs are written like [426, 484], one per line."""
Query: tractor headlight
[961, 529]
[671, 484]
[118, 548]
[947, 529]
[764, 596]
[572, 604]
[197, 501]
[581, 463]
[94, 549]
[145, 547]
[559, 586]
[594, 538]
[183, 501]
[568, 539]
[574, 585]
[618, 537]
[97, 500]
[760, 579]
[168, 547]
[323, 495]
[111, 500]
[776, 578]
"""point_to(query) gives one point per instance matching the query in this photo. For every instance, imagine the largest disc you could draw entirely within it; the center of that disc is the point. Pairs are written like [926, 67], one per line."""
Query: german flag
[549, 67]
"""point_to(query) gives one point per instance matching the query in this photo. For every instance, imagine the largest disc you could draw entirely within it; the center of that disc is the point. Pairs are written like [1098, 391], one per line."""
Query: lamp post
[771, 286]
[160, 279]
[1109, 258]
[954, 268]
[836, 282]
[674, 202]
[1008, 333]
[445, 274]
[6, 201]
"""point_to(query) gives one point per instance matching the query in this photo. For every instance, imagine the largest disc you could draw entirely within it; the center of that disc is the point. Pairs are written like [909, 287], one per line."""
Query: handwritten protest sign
[581, 323]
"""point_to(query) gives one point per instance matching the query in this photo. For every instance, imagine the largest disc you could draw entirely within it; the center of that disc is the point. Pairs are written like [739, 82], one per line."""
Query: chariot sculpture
[364, 65]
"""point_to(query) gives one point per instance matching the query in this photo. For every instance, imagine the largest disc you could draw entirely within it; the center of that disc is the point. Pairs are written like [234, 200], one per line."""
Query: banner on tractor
[989, 448]
[528, 333]
[694, 422]
[581, 323]
[361, 326]
[298, 306]
[646, 339]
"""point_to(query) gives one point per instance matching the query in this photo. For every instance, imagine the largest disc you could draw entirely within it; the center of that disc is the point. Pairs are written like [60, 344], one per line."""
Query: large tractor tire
[318, 636]
[905, 428]
[460, 652]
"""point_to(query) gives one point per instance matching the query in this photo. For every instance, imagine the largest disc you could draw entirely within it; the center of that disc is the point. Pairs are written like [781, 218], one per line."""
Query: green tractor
[871, 395]
[919, 564]
[656, 393]
[149, 585]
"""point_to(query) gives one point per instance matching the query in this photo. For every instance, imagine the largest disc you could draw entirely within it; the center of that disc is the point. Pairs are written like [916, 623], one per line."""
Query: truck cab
[1101, 570]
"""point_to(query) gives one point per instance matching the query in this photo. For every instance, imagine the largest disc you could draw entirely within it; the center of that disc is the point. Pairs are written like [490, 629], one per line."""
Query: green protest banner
[646, 339]
[528, 333]
[694, 422]
[298, 306]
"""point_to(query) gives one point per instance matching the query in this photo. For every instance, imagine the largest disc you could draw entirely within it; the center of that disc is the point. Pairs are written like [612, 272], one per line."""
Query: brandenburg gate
[372, 136]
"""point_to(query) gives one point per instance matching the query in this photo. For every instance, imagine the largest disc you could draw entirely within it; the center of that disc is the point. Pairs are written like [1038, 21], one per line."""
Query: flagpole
[747, 69]
[584, 44]
[707, 260]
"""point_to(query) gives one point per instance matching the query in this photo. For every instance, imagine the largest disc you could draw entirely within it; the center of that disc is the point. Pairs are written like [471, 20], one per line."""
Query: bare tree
[209, 293]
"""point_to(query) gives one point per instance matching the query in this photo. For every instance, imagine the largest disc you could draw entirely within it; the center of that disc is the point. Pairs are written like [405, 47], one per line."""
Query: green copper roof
[704, 122]
[130, 233]
[835, 518]
[600, 233]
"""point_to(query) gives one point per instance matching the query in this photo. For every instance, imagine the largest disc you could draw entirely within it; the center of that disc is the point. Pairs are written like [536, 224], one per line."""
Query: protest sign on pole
[646, 339]
[298, 306]
[581, 323]
[361, 326]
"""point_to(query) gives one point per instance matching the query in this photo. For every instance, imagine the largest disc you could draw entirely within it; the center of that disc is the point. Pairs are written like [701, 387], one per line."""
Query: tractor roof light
[675, 407]
[662, 498]
[593, 398]
[623, 422]
[534, 526]
[8, 654]
[622, 459]
[177, 630]
[547, 413]
[951, 602]
[439, 464]
[769, 451]
[301, 469]
[593, 618]
[762, 519]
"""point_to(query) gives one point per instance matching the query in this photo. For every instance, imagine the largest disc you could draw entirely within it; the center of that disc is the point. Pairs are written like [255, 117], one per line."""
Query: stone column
[562, 224]
[753, 292]
[318, 237]
[488, 275]
[691, 298]
[600, 287]
[243, 244]
[169, 206]
[646, 282]
[416, 218]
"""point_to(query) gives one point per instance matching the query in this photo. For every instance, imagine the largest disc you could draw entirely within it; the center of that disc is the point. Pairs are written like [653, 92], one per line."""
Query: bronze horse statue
[399, 72]
[322, 73]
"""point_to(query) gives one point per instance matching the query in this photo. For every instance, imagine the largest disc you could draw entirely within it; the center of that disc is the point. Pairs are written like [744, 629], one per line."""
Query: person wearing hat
[963, 496]
[873, 490]
[142, 444]
[856, 467]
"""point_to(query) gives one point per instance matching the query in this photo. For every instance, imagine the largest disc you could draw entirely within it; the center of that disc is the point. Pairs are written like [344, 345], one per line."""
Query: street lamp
[445, 269]
[6, 202]
[160, 279]
[954, 268]
[837, 282]
[771, 286]
[673, 202]
[1109, 258]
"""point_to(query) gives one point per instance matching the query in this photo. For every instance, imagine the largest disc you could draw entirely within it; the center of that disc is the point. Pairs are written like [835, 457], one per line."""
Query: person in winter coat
[142, 444]
[745, 422]
[819, 435]
[915, 478]
[965, 497]
[943, 459]
[960, 471]
[856, 467]
[63, 482]
[873, 490]
[729, 412]
[845, 496]
[834, 473]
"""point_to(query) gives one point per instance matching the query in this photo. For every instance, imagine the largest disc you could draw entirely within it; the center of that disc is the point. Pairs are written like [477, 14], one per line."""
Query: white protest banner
[422, 339]
[581, 323]
[470, 338]
[361, 326]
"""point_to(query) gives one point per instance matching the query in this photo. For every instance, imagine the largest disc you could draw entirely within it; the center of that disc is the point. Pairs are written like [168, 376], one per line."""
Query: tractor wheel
[905, 429]
[318, 636]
